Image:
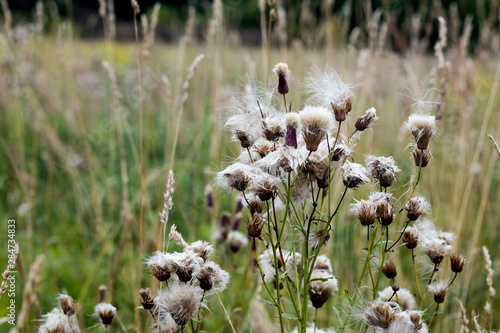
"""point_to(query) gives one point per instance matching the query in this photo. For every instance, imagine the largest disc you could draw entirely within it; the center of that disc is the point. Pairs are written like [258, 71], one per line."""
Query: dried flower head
[326, 88]
[435, 244]
[416, 207]
[57, 322]
[341, 150]
[403, 297]
[105, 312]
[237, 176]
[263, 147]
[67, 304]
[321, 287]
[185, 265]
[180, 300]
[245, 138]
[364, 211]
[385, 212]
[273, 128]
[422, 127]
[164, 324]
[265, 187]
[282, 71]
[389, 269]
[422, 157]
[147, 301]
[323, 263]
[354, 174]
[201, 248]
[439, 289]
[380, 314]
[366, 120]
[315, 238]
[161, 265]
[383, 169]
[410, 237]
[316, 123]
[407, 321]
[236, 240]
[457, 262]
[212, 277]
[255, 225]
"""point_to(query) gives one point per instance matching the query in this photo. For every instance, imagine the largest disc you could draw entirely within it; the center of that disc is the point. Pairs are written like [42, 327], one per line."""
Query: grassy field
[70, 168]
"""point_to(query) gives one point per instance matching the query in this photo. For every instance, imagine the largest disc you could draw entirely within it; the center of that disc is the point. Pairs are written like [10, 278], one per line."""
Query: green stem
[416, 273]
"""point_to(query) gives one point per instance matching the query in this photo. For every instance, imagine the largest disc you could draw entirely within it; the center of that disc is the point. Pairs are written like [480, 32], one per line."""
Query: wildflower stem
[416, 273]
[428, 283]
[454, 277]
[433, 315]
[368, 255]
[284, 100]
[250, 155]
[400, 236]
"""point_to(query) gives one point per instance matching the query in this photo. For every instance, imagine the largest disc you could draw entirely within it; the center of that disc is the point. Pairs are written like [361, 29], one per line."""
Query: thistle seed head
[320, 290]
[67, 304]
[457, 262]
[364, 211]
[354, 174]
[422, 127]
[255, 225]
[105, 312]
[422, 157]
[389, 269]
[410, 238]
[416, 207]
[316, 123]
[148, 301]
[366, 120]
[439, 289]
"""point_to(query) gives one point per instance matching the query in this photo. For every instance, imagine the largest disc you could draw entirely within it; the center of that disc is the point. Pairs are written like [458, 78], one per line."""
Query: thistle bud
[292, 124]
[210, 196]
[281, 69]
[439, 289]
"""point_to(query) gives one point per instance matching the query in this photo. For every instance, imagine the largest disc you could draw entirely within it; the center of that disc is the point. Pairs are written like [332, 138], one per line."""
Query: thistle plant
[291, 162]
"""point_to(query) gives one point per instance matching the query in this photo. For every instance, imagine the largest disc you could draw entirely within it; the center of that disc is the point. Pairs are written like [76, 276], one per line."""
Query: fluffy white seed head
[211, 277]
[56, 321]
[422, 127]
[403, 297]
[281, 69]
[383, 169]
[322, 288]
[354, 174]
[180, 300]
[417, 206]
[236, 240]
[105, 312]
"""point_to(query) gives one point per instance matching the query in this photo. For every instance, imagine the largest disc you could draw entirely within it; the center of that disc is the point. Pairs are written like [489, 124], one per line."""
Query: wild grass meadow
[297, 207]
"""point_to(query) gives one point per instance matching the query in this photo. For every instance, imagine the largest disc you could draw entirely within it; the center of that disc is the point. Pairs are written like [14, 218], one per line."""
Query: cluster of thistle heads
[282, 147]
[186, 278]
[61, 319]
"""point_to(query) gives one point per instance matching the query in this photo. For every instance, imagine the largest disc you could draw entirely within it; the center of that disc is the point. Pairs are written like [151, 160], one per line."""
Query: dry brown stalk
[29, 295]
[495, 144]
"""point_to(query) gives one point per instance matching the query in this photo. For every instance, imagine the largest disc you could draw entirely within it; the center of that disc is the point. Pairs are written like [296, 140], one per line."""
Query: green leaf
[290, 316]
[265, 301]
[339, 317]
